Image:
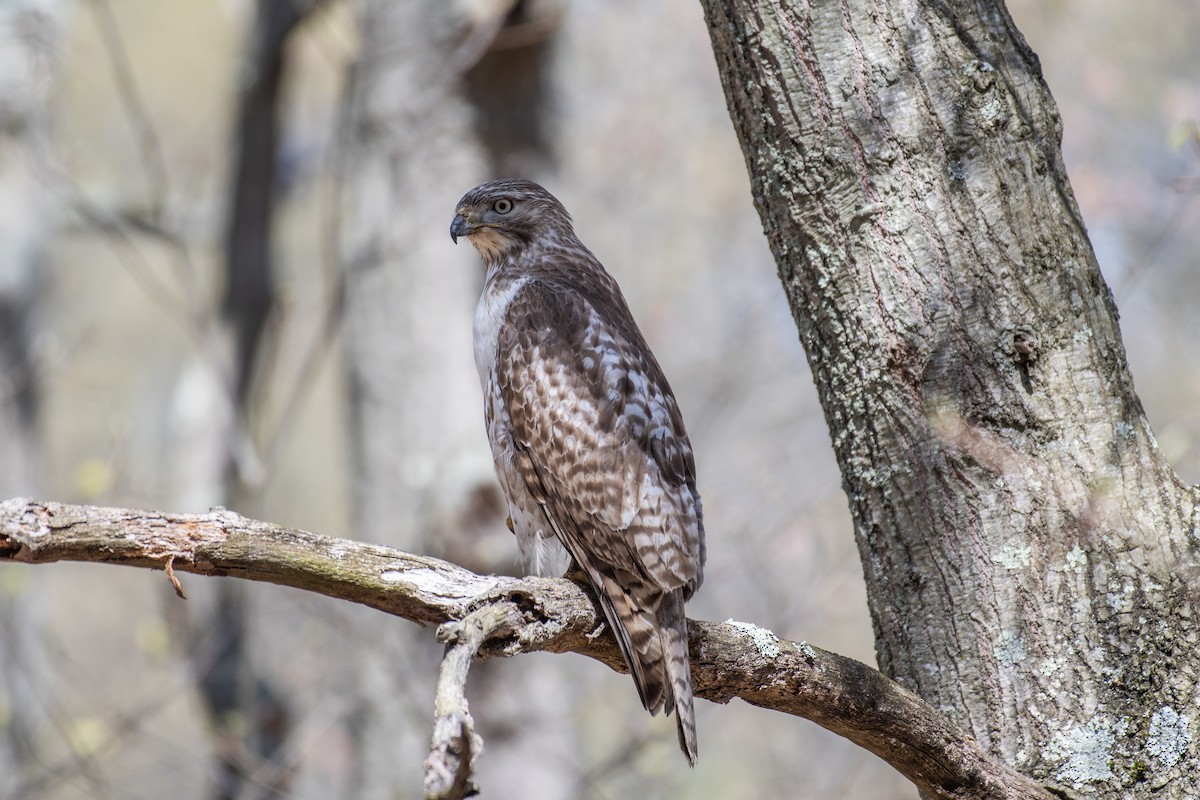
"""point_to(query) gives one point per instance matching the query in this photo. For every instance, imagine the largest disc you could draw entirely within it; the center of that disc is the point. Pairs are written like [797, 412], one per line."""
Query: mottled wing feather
[599, 442]
[591, 411]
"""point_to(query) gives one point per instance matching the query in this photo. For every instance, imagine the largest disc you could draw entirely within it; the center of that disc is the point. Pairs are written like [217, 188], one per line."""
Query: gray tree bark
[1030, 556]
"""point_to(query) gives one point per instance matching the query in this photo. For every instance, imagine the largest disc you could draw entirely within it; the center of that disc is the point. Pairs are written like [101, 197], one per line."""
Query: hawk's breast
[541, 552]
[498, 294]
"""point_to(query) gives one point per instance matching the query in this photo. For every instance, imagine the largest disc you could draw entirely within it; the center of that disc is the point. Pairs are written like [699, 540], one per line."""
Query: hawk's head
[503, 216]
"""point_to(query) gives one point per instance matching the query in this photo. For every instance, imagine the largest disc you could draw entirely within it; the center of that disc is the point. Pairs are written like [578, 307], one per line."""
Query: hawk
[588, 441]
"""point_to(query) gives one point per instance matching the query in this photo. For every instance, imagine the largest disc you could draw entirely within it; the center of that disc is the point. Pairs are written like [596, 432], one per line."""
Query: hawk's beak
[460, 227]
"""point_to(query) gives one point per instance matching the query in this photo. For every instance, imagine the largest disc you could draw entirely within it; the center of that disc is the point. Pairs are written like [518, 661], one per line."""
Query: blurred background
[226, 279]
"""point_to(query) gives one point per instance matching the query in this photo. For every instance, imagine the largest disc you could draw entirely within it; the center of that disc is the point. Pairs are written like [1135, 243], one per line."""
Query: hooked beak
[460, 227]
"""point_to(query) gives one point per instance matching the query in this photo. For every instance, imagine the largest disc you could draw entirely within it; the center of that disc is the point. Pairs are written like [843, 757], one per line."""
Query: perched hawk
[587, 439]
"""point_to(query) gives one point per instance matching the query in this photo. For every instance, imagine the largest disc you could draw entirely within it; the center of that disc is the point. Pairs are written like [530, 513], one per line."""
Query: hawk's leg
[576, 574]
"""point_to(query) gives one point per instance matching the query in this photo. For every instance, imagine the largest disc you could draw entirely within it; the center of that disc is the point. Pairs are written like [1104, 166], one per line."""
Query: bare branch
[729, 660]
[450, 767]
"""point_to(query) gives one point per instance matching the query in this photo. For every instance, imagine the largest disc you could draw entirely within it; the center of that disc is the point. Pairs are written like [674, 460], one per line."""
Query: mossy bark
[1030, 556]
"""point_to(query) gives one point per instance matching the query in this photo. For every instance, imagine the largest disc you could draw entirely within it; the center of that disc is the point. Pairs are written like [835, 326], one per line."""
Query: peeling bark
[1030, 557]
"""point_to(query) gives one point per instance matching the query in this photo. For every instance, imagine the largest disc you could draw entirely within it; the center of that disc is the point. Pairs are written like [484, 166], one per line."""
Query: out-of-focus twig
[1142, 264]
[131, 98]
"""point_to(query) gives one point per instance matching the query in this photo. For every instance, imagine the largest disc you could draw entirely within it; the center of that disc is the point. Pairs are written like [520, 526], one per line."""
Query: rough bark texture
[1030, 557]
[450, 767]
[730, 659]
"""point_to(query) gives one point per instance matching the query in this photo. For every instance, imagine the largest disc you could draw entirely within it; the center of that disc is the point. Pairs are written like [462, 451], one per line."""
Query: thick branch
[730, 659]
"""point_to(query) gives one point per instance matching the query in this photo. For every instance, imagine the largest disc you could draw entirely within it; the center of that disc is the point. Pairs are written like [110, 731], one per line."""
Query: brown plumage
[587, 438]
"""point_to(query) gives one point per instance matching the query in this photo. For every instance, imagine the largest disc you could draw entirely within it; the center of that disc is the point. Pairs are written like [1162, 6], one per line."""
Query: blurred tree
[29, 33]
[509, 85]
[250, 718]
[407, 341]
[1030, 555]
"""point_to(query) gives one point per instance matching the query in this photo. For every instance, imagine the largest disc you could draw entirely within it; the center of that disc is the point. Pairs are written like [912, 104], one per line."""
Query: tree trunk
[409, 302]
[1029, 554]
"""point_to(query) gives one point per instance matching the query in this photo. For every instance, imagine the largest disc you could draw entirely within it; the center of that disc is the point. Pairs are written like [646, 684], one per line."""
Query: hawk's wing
[599, 438]
[599, 441]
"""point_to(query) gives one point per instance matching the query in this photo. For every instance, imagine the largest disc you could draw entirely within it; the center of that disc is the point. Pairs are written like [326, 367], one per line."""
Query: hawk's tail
[673, 631]
[656, 649]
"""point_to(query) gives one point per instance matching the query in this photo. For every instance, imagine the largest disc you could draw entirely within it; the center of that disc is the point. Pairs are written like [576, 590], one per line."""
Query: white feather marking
[497, 296]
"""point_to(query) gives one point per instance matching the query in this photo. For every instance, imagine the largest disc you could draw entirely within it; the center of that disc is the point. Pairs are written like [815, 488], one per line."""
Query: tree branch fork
[482, 616]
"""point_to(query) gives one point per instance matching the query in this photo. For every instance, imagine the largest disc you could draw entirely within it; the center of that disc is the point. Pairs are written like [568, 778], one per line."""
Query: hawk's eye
[503, 205]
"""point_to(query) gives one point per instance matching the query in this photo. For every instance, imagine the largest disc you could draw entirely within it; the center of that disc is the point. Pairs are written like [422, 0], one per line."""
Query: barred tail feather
[673, 627]
[656, 650]
[637, 635]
